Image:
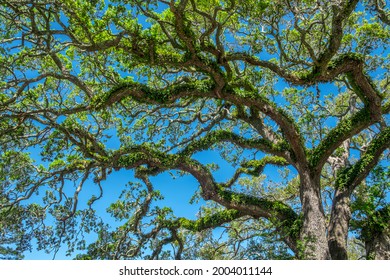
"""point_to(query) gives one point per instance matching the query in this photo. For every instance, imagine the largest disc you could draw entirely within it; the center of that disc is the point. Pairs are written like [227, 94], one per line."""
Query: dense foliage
[279, 110]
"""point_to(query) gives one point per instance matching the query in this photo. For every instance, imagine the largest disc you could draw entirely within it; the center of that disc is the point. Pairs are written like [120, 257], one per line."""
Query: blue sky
[177, 192]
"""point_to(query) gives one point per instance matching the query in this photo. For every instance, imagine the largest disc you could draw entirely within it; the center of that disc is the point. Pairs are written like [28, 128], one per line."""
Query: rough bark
[338, 225]
[313, 232]
[376, 235]
[341, 209]
[378, 248]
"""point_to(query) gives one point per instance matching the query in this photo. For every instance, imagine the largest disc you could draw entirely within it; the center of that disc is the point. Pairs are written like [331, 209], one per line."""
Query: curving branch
[341, 12]
[350, 177]
[344, 130]
[204, 89]
[203, 223]
[255, 168]
[380, 8]
[279, 213]
[284, 218]
[218, 136]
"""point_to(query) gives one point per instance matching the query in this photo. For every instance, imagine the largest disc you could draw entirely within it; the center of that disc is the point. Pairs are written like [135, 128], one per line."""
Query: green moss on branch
[219, 136]
[351, 176]
[209, 221]
[337, 135]
[145, 94]
[255, 167]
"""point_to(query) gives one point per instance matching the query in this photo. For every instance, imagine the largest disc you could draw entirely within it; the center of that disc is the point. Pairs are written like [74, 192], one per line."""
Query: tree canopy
[290, 99]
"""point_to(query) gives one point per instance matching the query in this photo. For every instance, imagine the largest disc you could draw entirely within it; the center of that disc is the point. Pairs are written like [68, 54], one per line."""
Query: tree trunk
[338, 225]
[376, 235]
[341, 212]
[378, 247]
[313, 233]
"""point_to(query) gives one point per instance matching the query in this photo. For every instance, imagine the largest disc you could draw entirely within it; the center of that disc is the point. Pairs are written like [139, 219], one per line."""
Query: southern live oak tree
[93, 88]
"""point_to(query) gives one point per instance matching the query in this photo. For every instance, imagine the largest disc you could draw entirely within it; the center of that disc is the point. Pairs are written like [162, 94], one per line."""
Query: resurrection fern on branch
[276, 111]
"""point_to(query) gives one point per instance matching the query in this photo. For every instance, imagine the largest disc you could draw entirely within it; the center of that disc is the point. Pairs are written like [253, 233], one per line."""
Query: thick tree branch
[340, 14]
[344, 130]
[280, 214]
[350, 177]
[215, 137]
[204, 89]
[206, 222]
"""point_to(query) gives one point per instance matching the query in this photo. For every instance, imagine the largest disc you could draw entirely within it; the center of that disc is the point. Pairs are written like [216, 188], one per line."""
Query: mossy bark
[376, 235]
